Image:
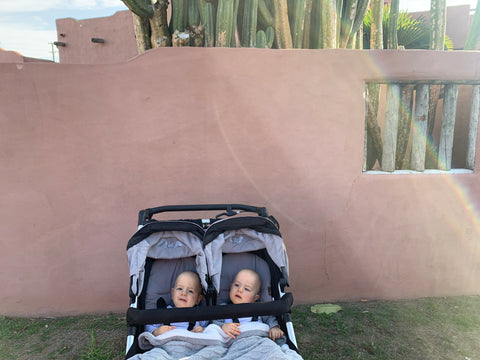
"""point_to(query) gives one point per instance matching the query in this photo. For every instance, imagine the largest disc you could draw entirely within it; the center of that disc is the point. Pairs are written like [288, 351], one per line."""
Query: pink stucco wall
[84, 147]
[116, 31]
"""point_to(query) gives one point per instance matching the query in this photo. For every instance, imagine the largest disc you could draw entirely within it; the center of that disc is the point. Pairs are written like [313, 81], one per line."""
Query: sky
[28, 26]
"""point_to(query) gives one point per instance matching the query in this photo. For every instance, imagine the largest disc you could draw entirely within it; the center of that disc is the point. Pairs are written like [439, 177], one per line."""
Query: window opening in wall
[422, 126]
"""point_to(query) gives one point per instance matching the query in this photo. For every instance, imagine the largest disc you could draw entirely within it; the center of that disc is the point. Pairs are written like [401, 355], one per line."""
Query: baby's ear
[256, 297]
[200, 297]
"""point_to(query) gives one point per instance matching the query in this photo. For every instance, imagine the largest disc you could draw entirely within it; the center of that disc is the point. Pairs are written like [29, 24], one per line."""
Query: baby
[244, 289]
[187, 292]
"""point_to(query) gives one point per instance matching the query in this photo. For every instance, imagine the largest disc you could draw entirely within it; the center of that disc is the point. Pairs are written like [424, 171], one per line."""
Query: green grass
[436, 328]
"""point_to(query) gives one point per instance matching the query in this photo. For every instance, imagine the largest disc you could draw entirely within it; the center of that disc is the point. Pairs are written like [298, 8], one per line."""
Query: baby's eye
[179, 289]
[190, 291]
[247, 289]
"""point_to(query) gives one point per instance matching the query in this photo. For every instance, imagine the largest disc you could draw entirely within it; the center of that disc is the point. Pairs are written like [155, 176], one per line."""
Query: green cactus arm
[392, 38]
[348, 19]
[233, 41]
[282, 26]
[298, 23]
[224, 26]
[249, 23]
[261, 40]
[339, 20]
[142, 8]
[361, 12]
[265, 17]
[473, 38]
[193, 13]
[207, 15]
[307, 27]
[178, 20]
[270, 33]
[329, 24]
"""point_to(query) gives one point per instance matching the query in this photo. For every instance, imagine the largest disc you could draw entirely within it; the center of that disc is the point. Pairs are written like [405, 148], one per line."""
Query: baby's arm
[231, 329]
[197, 329]
[162, 330]
[275, 333]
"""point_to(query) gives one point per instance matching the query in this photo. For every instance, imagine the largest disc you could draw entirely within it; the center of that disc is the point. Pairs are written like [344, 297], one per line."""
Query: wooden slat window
[420, 126]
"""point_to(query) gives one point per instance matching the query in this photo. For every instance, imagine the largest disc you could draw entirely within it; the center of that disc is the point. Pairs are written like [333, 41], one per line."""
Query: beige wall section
[84, 147]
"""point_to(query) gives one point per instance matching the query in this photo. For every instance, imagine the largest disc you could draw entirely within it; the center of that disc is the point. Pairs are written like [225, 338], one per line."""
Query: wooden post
[391, 128]
[419, 134]
[473, 127]
[448, 127]
[404, 125]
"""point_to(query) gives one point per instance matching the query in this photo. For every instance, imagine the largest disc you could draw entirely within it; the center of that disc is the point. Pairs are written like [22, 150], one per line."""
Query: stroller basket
[216, 248]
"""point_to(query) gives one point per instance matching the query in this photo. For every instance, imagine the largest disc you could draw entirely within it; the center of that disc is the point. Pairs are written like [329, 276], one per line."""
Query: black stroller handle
[146, 214]
[154, 316]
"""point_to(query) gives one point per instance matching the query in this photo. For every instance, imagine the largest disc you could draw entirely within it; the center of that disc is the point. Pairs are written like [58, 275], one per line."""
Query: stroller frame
[280, 307]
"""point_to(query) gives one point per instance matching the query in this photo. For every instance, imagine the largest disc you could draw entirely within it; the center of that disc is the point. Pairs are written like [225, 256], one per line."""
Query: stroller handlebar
[153, 316]
[230, 210]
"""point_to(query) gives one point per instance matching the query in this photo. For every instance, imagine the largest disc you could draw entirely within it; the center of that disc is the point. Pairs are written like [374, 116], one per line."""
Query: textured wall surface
[85, 147]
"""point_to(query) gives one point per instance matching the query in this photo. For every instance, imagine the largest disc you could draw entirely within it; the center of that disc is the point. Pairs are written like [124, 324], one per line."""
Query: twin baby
[187, 292]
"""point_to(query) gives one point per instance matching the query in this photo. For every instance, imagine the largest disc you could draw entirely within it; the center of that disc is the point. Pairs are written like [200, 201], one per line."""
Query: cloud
[9, 6]
[28, 42]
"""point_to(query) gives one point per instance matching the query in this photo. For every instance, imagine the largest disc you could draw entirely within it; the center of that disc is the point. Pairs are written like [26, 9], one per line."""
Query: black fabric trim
[198, 313]
[257, 223]
[157, 226]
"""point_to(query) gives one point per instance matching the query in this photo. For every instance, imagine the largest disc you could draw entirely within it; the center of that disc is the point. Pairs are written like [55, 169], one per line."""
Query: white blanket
[252, 344]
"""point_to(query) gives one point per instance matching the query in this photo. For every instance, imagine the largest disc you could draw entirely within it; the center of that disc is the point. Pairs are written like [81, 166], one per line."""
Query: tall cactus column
[282, 26]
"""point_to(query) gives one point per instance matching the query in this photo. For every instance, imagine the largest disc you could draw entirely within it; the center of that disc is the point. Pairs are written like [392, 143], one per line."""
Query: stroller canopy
[240, 235]
[165, 240]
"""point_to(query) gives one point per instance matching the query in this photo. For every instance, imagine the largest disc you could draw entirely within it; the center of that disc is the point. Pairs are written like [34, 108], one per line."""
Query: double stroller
[216, 248]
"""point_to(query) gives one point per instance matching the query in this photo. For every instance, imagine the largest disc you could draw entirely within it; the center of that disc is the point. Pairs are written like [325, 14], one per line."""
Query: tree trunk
[404, 124]
[161, 36]
[141, 26]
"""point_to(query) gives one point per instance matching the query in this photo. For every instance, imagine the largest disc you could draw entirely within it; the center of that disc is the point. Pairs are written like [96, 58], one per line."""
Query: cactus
[307, 24]
[298, 22]
[392, 39]
[249, 24]
[261, 40]
[265, 17]
[270, 33]
[285, 23]
[207, 15]
[193, 13]
[233, 41]
[142, 8]
[223, 30]
[473, 38]
[179, 12]
[282, 26]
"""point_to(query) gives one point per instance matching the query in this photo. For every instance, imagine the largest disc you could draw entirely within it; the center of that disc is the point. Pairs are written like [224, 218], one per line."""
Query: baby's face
[186, 291]
[244, 288]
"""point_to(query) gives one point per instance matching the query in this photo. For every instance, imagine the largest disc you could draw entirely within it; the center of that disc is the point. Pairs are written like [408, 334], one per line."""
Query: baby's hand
[275, 333]
[162, 330]
[197, 329]
[231, 329]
